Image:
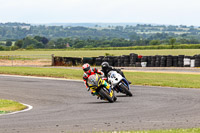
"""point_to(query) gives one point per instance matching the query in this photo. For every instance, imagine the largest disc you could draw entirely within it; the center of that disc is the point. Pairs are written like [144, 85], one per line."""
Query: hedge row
[177, 46]
[132, 60]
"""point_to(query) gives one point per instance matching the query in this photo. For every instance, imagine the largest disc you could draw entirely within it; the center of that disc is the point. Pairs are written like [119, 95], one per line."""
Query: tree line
[38, 42]
[15, 31]
[25, 36]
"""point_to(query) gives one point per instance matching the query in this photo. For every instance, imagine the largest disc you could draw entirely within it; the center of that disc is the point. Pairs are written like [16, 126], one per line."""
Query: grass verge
[96, 53]
[179, 80]
[192, 130]
[7, 106]
[137, 78]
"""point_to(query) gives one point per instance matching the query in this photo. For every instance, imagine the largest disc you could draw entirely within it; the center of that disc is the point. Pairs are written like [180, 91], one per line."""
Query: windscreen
[92, 80]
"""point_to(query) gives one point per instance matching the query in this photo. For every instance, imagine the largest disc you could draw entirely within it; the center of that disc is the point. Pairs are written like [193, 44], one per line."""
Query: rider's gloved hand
[94, 93]
[87, 88]
[104, 78]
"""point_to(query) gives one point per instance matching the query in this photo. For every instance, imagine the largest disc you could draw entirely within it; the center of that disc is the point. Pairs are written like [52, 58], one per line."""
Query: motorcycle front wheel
[125, 89]
[105, 95]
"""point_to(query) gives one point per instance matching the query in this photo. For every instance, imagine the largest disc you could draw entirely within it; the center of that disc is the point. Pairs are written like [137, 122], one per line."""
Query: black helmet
[104, 65]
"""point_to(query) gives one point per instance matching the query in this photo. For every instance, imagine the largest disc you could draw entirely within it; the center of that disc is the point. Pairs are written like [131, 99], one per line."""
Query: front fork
[108, 87]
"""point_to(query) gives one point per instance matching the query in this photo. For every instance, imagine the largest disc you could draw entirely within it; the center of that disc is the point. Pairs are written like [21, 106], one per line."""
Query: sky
[169, 12]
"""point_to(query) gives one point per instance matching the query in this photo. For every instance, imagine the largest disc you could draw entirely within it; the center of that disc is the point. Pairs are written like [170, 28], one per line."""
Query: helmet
[104, 65]
[86, 68]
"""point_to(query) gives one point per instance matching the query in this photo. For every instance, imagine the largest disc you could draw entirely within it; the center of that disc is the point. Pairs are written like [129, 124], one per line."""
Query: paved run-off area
[64, 106]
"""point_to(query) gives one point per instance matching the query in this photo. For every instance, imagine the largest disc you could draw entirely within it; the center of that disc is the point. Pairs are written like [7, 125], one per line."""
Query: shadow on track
[102, 102]
[122, 96]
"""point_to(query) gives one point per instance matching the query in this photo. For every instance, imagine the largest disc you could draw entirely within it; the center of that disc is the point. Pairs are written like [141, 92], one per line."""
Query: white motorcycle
[119, 83]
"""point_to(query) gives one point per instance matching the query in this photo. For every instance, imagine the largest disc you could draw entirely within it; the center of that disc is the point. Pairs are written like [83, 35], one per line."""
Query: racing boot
[129, 82]
[98, 96]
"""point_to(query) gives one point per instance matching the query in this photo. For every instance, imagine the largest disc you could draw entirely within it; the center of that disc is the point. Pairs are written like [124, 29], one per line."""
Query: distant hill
[14, 24]
[88, 24]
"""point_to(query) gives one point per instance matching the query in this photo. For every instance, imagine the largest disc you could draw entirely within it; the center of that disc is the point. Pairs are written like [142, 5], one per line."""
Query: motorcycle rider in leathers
[106, 68]
[90, 71]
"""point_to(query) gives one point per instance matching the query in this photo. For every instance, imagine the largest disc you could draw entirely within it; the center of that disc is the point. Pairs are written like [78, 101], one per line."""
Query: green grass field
[192, 130]
[96, 53]
[137, 78]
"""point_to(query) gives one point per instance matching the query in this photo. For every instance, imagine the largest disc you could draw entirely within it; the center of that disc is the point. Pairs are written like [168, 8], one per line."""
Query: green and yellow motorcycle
[95, 82]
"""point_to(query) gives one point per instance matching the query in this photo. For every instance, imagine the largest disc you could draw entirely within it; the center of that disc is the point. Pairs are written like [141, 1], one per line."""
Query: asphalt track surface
[61, 106]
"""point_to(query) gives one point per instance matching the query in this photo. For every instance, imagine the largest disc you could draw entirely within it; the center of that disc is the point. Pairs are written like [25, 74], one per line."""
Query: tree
[14, 47]
[79, 44]
[1, 43]
[44, 40]
[30, 47]
[134, 36]
[39, 45]
[154, 42]
[2, 48]
[29, 41]
[172, 41]
[8, 43]
[50, 44]
[19, 43]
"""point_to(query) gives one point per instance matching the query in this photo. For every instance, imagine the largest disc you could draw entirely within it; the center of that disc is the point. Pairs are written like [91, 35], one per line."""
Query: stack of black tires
[111, 60]
[197, 60]
[122, 61]
[119, 61]
[126, 60]
[90, 60]
[115, 61]
[66, 61]
[133, 59]
[169, 61]
[163, 61]
[175, 61]
[158, 61]
[98, 61]
[153, 61]
[180, 60]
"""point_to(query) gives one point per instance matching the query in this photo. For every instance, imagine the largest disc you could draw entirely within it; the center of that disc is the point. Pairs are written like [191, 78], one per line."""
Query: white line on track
[40, 77]
[29, 107]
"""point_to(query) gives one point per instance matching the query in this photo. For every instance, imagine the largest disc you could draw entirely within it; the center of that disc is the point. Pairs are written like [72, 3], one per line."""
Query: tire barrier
[175, 61]
[132, 60]
[197, 60]
[180, 60]
[163, 61]
[66, 61]
[90, 60]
